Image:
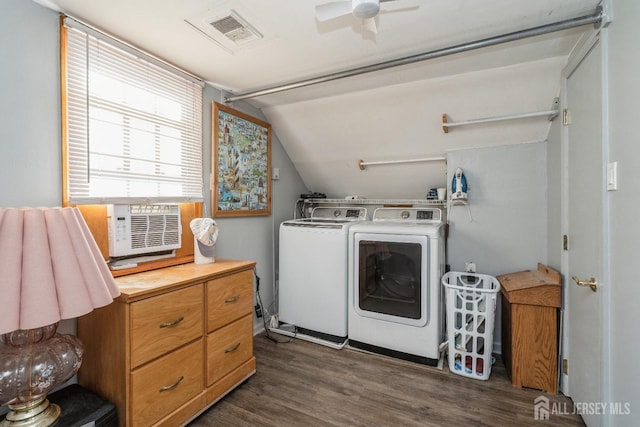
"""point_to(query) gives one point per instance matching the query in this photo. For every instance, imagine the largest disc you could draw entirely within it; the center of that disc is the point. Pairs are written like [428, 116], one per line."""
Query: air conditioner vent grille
[173, 223]
[138, 241]
[137, 229]
[156, 222]
[227, 24]
[236, 29]
[138, 224]
[171, 238]
[154, 240]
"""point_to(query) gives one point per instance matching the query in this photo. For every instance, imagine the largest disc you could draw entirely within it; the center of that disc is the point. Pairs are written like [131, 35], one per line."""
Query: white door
[585, 231]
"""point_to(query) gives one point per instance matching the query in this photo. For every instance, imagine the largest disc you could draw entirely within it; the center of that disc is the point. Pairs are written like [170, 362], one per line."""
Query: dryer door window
[390, 280]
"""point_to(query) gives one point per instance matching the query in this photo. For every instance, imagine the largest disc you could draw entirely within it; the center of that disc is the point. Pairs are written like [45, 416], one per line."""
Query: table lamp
[50, 269]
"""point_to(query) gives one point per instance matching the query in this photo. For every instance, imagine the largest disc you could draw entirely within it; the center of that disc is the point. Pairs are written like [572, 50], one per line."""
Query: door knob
[592, 283]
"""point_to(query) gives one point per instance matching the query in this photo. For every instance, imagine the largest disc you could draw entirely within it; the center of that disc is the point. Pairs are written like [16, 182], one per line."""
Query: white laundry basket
[471, 305]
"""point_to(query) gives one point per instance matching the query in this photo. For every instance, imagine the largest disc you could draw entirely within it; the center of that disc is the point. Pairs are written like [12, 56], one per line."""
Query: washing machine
[396, 262]
[312, 285]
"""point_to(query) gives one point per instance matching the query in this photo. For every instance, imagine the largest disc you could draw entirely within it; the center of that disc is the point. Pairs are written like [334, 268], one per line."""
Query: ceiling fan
[367, 10]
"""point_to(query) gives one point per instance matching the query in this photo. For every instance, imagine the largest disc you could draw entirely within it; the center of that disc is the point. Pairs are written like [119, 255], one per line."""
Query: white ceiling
[392, 114]
[296, 46]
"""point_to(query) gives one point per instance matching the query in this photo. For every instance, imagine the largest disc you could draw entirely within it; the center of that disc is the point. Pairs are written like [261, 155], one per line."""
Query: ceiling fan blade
[370, 25]
[332, 10]
[399, 9]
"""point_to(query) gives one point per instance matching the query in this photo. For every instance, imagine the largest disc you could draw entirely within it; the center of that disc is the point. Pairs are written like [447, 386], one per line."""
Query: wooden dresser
[174, 342]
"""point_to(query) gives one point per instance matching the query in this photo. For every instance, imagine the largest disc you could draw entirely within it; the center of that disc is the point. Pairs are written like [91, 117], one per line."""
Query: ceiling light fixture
[365, 9]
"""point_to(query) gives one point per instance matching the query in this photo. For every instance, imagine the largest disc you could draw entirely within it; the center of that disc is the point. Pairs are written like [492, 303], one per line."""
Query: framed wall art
[241, 164]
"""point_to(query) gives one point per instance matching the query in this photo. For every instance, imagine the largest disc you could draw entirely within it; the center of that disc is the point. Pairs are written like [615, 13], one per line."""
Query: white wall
[554, 216]
[624, 105]
[508, 205]
[326, 137]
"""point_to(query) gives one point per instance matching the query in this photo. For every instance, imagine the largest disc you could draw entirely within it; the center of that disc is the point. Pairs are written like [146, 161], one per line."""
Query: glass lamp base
[33, 414]
[32, 363]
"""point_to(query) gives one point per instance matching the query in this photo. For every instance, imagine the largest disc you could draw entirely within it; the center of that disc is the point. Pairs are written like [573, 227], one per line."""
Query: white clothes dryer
[396, 263]
[312, 286]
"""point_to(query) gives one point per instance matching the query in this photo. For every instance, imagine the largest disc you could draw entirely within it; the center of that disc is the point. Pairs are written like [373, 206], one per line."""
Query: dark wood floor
[305, 384]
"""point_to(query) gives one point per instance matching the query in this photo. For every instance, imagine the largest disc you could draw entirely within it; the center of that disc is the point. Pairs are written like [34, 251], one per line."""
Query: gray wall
[30, 154]
[508, 205]
[624, 105]
[254, 238]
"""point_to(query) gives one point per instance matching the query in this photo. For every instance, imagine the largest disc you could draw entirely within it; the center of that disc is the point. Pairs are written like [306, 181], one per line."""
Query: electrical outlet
[470, 267]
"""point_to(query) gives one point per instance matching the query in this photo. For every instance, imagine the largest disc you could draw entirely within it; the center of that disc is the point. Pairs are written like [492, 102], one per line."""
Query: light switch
[276, 174]
[612, 176]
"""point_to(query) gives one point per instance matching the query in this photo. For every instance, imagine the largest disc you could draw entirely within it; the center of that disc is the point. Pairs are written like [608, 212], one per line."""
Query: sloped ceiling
[387, 115]
[326, 137]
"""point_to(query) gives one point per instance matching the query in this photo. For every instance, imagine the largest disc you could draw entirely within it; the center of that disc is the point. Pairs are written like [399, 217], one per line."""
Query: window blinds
[134, 128]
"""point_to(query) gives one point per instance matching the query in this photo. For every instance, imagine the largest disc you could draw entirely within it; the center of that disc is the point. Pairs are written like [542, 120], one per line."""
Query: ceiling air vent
[236, 29]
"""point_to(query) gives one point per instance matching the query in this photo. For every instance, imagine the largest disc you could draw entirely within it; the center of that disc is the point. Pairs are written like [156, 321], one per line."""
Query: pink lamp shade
[50, 268]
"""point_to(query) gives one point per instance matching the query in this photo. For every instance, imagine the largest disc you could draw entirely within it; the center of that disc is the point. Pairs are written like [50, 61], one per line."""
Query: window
[133, 124]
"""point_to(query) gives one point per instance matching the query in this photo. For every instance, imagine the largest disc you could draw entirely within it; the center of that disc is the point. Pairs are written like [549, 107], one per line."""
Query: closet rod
[446, 124]
[363, 165]
[594, 18]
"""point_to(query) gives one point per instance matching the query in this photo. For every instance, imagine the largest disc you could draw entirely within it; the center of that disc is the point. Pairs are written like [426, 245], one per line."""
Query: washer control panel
[339, 213]
[431, 215]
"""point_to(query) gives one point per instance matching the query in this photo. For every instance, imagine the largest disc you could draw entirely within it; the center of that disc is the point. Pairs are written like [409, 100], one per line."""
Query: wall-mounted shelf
[395, 202]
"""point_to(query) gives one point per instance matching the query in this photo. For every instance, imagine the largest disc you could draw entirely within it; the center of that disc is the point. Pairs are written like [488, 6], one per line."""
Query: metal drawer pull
[174, 323]
[232, 349]
[232, 299]
[172, 386]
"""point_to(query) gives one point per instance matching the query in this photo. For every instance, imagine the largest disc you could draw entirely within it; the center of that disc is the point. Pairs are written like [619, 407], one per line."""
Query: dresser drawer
[229, 298]
[228, 348]
[163, 323]
[160, 387]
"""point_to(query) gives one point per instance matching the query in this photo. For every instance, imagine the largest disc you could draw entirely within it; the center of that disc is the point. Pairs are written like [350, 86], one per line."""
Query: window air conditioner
[143, 229]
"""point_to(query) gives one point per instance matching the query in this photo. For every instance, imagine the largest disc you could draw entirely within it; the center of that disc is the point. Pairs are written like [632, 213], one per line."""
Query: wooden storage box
[530, 303]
